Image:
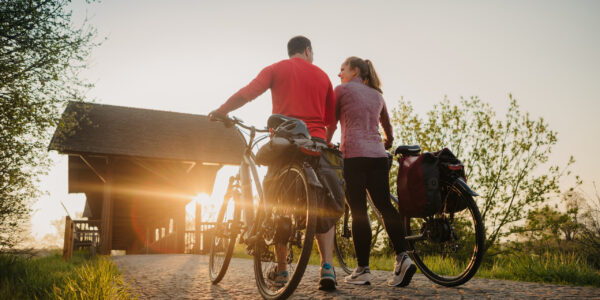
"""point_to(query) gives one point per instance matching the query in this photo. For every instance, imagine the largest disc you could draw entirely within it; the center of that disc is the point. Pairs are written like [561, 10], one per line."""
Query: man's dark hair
[297, 44]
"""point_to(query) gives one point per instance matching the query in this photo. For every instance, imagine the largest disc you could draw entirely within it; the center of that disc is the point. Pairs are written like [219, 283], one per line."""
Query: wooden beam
[98, 173]
[107, 213]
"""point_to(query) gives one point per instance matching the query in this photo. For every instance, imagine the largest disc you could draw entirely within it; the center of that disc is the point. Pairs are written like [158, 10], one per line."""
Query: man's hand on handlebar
[216, 115]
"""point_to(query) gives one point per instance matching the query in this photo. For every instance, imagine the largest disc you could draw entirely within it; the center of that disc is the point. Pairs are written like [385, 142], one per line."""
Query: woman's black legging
[371, 174]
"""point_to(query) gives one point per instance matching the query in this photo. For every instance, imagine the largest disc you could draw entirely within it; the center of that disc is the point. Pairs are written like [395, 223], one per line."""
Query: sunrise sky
[190, 56]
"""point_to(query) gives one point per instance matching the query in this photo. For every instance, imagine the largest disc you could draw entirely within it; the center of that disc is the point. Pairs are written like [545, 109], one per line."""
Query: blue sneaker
[278, 279]
[327, 278]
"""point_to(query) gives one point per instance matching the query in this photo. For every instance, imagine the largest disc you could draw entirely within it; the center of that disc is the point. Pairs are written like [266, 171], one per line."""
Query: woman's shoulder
[341, 89]
[351, 85]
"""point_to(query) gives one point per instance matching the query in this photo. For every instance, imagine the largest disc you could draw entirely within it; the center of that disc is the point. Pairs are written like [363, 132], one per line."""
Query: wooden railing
[190, 241]
[204, 238]
[165, 244]
[86, 234]
[80, 234]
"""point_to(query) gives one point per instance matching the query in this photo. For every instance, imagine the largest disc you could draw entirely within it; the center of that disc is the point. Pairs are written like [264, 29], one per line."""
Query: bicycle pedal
[251, 240]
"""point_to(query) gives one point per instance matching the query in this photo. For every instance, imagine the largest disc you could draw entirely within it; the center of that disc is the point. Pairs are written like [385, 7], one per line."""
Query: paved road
[183, 276]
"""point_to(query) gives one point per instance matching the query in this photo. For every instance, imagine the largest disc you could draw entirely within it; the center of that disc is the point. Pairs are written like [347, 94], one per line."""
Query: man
[301, 90]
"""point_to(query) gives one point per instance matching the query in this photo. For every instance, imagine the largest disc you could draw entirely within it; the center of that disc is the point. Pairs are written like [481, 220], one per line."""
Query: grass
[50, 277]
[557, 268]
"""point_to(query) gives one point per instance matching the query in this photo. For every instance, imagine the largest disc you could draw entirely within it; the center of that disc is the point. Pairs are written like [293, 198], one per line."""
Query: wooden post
[68, 242]
[147, 238]
[107, 217]
[198, 222]
[179, 227]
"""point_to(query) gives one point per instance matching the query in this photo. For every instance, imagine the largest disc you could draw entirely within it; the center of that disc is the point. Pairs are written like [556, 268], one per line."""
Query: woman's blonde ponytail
[372, 79]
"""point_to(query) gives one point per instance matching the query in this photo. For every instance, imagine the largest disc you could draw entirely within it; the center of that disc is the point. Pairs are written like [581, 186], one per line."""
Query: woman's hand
[388, 143]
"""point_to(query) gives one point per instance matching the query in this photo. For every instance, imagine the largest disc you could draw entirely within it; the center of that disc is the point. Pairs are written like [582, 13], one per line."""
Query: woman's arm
[384, 119]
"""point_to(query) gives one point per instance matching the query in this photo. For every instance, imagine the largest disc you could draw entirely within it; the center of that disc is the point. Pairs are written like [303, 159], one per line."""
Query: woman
[360, 109]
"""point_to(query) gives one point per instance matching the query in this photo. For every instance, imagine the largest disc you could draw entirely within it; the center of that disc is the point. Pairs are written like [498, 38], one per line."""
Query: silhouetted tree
[41, 53]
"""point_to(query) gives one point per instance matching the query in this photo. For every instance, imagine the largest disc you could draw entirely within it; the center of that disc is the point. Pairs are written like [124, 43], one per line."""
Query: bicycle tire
[266, 289]
[344, 245]
[475, 257]
[224, 237]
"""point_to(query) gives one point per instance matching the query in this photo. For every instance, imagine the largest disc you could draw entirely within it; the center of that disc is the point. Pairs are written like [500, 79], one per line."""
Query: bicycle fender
[465, 187]
[311, 176]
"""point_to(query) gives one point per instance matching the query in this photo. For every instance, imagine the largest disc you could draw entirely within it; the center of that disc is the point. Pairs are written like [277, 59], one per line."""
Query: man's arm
[255, 88]
[330, 115]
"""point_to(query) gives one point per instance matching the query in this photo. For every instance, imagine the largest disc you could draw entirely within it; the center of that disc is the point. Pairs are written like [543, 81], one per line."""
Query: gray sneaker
[404, 269]
[362, 277]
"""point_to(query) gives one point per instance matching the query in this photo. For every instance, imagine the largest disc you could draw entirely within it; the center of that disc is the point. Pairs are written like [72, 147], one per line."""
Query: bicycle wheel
[290, 218]
[344, 245]
[448, 247]
[225, 232]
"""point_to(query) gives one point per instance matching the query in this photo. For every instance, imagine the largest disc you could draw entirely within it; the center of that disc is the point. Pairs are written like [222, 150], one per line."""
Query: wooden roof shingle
[146, 133]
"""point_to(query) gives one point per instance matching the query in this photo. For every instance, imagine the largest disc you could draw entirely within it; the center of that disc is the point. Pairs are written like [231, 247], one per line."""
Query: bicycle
[288, 216]
[447, 247]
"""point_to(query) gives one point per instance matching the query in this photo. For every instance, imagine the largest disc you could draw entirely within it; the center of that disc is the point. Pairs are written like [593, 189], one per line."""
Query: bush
[51, 278]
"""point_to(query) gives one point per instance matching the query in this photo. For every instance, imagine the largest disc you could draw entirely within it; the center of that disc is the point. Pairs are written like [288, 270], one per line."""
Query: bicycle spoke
[287, 219]
[452, 245]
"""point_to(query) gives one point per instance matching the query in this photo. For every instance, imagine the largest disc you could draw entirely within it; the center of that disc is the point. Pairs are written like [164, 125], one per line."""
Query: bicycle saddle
[408, 150]
[285, 126]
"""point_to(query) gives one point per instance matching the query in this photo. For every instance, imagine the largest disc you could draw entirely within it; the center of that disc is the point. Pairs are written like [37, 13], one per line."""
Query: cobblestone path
[182, 276]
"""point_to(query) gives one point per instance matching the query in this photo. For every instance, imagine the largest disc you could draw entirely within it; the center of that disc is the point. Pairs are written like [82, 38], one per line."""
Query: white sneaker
[404, 269]
[362, 277]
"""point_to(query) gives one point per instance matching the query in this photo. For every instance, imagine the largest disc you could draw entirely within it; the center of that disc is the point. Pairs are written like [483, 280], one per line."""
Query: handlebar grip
[216, 115]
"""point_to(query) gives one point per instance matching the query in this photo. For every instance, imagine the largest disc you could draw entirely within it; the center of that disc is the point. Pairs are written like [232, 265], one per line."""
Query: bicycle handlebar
[235, 121]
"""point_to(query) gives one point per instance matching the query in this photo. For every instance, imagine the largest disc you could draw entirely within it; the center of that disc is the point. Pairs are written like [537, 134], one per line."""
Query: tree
[503, 157]
[590, 235]
[41, 54]
[547, 228]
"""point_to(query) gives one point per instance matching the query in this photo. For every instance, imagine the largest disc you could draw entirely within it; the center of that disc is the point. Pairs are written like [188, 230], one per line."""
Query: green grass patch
[556, 268]
[50, 277]
[239, 251]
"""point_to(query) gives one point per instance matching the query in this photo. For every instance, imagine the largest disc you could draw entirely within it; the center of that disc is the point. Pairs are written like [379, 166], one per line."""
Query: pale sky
[190, 56]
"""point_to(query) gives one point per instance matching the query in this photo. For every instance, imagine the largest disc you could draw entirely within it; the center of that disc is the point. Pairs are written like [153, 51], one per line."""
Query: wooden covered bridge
[138, 169]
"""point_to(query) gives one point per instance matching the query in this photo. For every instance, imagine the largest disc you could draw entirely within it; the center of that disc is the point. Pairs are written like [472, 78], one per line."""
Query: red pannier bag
[424, 181]
[418, 185]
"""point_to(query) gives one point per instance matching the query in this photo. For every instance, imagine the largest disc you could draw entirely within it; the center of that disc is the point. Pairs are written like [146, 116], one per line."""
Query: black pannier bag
[289, 136]
[331, 173]
[424, 183]
[451, 168]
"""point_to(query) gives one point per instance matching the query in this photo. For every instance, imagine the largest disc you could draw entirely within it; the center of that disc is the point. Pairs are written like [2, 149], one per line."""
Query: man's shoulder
[318, 70]
[291, 63]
